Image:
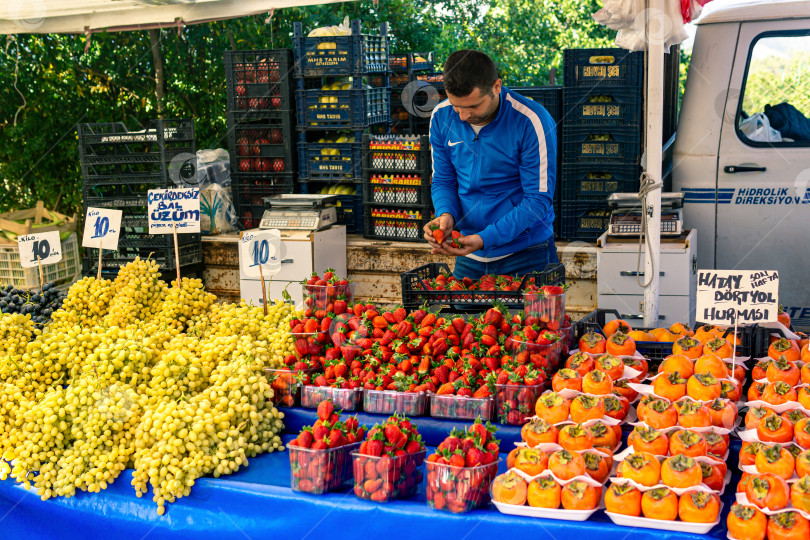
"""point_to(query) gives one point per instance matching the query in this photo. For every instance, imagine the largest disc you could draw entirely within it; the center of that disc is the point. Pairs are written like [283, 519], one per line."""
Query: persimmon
[566, 378]
[788, 526]
[778, 393]
[743, 483]
[544, 492]
[723, 413]
[509, 488]
[621, 344]
[801, 432]
[592, 342]
[713, 478]
[803, 463]
[688, 443]
[688, 347]
[737, 372]
[767, 491]
[603, 435]
[639, 364]
[682, 329]
[510, 458]
[794, 415]
[610, 365]
[660, 503]
[800, 493]
[730, 390]
[784, 347]
[662, 335]
[597, 383]
[748, 452]
[616, 406]
[566, 465]
[538, 431]
[641, 335]
[621, 388]
[760, 370]
[579, 495]
[755, 391]
[681, 472]
[775, 460]
[623, 499]
[716, 445]
[783, 317]
[531, 461]
[670, 386]
[692, 414]
[643, 402]
[719, 346]
[649, 440]
[699, 507]
[711, 363]
[642, 468]
[703, 387]
[585, 407]
[775, 429]
[580, 362]
[616, 325]
[803, 396]
[659, 414]
[677, 363]
[574, 437]
[596, 466]
[805, 371]
[552, 407]
[746, 523]
[783, 370]
[703, 336]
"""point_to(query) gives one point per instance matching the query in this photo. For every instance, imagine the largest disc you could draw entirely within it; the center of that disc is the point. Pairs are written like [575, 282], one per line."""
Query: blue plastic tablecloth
[257, 502]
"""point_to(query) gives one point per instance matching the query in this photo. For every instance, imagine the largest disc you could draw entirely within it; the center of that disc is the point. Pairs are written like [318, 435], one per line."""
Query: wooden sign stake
[176, 255]
[264, 291]
[100, 251]
[41, 278]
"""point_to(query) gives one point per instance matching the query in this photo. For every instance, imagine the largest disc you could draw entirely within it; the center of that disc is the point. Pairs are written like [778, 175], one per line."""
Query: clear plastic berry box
[459, 489]
[348, 399]
[319, 471]
[461, 407]
[541, 356]
[546, 307]
[391, 401]
[383, 478]
[324, 296]
[286, 385]
[514, 403]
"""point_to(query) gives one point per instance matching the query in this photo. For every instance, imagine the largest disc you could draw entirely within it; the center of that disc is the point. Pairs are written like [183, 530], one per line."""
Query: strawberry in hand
[438, 233]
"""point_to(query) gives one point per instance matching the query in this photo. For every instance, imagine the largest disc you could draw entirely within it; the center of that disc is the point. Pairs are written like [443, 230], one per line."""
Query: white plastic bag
[757, 127]
[343, 29]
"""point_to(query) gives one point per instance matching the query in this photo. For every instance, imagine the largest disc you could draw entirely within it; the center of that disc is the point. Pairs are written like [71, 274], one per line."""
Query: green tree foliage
[778, 79]
[49, 83]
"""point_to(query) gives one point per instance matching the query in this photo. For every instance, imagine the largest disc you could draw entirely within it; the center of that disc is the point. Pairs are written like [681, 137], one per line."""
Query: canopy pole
[656, 37]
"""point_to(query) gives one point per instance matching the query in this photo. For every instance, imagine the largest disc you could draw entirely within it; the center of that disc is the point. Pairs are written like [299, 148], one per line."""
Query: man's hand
[469, 245]
[445, 223]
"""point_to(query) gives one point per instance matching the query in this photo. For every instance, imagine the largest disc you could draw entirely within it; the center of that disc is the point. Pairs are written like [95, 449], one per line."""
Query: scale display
[628, 223]
[306, 220]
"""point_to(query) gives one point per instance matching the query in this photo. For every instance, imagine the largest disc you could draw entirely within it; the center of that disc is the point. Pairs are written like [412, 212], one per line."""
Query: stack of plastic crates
[396, 186]
[406, 68]
[119, 167]
[341, 90]
[261, 128]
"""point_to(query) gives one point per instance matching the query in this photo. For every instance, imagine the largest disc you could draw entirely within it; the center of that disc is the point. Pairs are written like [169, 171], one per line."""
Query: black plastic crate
[250, 189]
[259, 80]
[350, 213]
[396, 154]
[603, 67]
[189, 254]
[399, 80]
[342, 162]
[550, 97]
[415, 291]
[603, 107]
[346, 109]
[594, 182]
[601, 145]
[340, 55]
[411, 61]
[584, 220]
[408, 190]
[382, 223]
[266, 145]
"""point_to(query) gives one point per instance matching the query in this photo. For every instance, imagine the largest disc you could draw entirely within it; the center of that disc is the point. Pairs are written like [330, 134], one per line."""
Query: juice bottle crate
[330, 161]
[263, 141]
[354, 109]
[259, 80]
[597, 182]
[411, 61]
[396, 154]
[340, 55]
[586, 68]
[603, 107]
[385, 223]
[592, 145]
[406, 190]
[64, 271]
[583, 220]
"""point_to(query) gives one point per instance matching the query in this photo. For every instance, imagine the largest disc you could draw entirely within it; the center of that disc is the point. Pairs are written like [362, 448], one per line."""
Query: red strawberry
[474, 457]
[325, 409]
[305, 438]
[457, 460]
[375, 447]
[320, 445]
[414, 446]
[392, 433]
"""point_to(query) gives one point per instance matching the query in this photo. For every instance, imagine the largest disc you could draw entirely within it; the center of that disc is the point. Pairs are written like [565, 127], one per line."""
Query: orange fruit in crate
[784, 347]
[783, 370]
[538, 431]
[580, 362]
[621, 344]
[681, 329]
[641, 335]
[688, 347]
[778, 393]
[592, 342]
[664, 336]
[677, 363]
[552, 407]
[616, 325]
[658, 413]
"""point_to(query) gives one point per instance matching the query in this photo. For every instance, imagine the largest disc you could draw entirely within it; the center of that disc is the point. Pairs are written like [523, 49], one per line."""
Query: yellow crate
[65, 271]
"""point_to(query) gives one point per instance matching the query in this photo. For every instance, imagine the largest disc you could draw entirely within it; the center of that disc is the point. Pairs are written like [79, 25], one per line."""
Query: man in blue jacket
[494, 172]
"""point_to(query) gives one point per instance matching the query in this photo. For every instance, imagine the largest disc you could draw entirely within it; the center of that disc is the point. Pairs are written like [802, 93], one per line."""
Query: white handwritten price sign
[730, 297]
[102, 227]
[40, 249]
[171, 209]
[261, 252]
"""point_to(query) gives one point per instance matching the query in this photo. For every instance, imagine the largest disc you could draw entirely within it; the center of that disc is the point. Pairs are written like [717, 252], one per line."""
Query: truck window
[774, 107]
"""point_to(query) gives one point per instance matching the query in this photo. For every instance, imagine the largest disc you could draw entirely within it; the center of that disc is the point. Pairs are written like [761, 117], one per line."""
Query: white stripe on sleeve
[444, 103]
[541, 138]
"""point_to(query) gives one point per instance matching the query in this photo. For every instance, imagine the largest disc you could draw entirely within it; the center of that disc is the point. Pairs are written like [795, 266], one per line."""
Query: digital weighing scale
[627, 216]
[306, 212]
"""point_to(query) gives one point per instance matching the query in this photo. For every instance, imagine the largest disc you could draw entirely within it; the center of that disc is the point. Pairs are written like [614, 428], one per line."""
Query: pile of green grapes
[137, 373]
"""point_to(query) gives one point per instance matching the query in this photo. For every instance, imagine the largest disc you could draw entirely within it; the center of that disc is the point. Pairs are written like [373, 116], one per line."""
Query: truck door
[763, 202]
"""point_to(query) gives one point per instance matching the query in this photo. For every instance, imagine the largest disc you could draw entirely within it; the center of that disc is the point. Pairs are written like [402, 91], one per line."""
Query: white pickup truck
[748, 196]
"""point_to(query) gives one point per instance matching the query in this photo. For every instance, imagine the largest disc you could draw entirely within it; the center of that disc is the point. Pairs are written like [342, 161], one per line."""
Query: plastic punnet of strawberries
[389, 463]
[320, 459]
[323, 292]
[462, 469]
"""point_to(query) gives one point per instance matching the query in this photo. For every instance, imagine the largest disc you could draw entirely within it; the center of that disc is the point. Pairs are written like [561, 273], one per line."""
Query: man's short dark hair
[467, 69]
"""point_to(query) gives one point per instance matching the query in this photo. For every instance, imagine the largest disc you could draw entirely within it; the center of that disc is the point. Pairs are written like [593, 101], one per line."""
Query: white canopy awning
[81, 16]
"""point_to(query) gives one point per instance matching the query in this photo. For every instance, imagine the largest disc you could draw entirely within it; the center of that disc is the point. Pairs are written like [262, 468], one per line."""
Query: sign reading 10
[260, 253]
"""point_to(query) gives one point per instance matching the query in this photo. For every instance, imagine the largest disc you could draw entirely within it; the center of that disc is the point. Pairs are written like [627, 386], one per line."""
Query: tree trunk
[154, 40]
